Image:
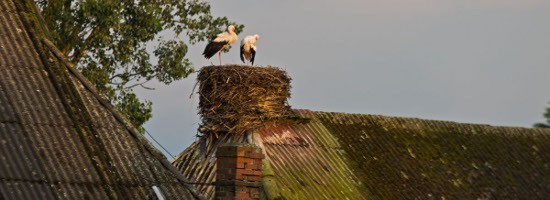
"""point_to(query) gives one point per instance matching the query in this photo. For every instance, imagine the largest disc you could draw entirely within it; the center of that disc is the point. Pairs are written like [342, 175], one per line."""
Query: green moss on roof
[404, 158]
[308, 163]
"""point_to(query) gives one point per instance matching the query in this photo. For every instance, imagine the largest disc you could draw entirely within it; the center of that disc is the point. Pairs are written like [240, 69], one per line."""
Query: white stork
[221, 41]
[248, 48]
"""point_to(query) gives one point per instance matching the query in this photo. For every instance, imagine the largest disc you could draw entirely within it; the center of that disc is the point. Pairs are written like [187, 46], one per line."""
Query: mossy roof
[358, 156]
[58, 138]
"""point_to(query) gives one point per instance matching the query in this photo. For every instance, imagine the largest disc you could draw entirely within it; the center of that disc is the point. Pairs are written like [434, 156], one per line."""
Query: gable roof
[358, 156]
[58, 138]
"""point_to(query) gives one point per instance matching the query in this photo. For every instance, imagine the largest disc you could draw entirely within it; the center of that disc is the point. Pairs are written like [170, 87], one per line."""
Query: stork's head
[231, 28]
[257, 37]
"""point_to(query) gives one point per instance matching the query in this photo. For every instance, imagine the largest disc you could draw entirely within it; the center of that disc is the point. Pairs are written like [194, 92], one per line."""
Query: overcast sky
[473, 61]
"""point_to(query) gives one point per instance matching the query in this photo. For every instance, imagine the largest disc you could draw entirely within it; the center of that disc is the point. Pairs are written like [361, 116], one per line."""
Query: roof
[359, 156]
[58, 138]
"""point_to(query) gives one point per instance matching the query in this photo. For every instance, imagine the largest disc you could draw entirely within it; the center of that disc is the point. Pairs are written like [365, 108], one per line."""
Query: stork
[248, 48]
[219, 43]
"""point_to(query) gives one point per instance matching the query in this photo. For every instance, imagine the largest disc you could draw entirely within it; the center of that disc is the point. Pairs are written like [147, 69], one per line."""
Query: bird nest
[235, 99]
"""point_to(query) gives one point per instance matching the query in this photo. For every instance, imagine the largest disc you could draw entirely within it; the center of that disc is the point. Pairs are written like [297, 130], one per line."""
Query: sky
[471, 61]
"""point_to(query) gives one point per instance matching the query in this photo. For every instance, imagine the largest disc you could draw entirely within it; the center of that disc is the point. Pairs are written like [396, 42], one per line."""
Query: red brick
[254, 178]
[241, 189]
[257, 173]
[245, 171]
[239, 148]
[251, 167]
[255, 155]
[254, 190]
[241, 160]
[239, 177]
[245, 148]
[242, 195]
[255, 196]
[255, 167]
[241, 165]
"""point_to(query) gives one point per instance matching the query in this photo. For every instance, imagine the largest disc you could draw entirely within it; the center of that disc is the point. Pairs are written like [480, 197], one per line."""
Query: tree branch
[123, 74]
[142, 84]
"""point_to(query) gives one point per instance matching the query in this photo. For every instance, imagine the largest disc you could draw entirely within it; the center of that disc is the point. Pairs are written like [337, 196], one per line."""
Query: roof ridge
[27, 7]
[415, 118]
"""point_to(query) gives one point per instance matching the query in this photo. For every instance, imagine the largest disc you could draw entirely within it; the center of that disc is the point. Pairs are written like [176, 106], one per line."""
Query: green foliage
[547, 116]
[107, 40]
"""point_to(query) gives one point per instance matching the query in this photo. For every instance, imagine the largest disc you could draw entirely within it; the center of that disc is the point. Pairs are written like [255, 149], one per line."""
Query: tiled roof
[357, 156]
[58, 138]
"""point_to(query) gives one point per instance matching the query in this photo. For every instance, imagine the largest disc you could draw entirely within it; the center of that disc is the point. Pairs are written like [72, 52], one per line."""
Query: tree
[108, 42]
[547, 116]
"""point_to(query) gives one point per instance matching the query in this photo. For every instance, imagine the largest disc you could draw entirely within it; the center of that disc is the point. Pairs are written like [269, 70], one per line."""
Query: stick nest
[235, 99]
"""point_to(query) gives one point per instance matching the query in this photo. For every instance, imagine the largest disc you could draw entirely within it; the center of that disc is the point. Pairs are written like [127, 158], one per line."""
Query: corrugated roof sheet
[409, 158]
[308, 162]
[57, 140]
[356, 156]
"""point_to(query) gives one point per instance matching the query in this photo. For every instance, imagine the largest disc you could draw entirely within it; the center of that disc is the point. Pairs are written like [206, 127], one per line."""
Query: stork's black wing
[212, 48]
[252, 56]
[242, 53]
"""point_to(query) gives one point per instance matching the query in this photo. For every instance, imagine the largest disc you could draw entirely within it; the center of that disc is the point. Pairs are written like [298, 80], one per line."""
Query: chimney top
[235, 98]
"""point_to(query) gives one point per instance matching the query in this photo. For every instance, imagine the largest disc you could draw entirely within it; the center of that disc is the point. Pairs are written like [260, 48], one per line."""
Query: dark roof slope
[355, 156]
[58, 138]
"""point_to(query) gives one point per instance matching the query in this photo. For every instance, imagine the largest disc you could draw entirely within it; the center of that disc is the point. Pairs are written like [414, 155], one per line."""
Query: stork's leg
[220, 56]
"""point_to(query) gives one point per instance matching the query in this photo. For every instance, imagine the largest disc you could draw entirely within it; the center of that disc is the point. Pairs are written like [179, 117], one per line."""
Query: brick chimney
[239, 173]
[234, 101]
